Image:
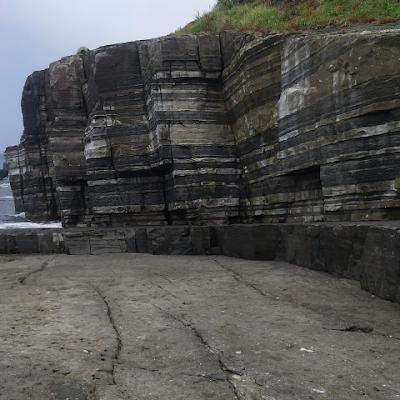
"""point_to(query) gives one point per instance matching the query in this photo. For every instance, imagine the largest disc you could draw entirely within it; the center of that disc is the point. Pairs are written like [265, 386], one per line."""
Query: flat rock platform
[142, 326]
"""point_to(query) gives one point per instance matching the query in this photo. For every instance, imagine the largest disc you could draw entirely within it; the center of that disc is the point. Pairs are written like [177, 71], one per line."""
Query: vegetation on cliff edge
[292, 15]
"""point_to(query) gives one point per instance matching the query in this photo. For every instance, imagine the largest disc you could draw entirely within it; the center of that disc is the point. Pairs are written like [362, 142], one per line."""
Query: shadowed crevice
[23, 279]
[115, 327]
[203, 341]
[239, 278]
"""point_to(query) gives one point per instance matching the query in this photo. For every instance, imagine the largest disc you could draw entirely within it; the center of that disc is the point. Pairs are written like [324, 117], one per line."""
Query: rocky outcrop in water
[214, 129]
[4, 169]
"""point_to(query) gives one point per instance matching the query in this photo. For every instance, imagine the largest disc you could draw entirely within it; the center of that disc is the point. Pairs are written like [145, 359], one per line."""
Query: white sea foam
[10, 220]
[30, 225]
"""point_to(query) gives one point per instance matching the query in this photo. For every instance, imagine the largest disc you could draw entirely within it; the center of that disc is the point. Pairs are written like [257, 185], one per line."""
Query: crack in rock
[202, 340]
[148, 369]
[92, 395]
[244, 386]
[22, 279]
[363, 329]
[162, 276]
[353, 328]
[116, 330]
[239, 278]
[232, 377]
[187, 324]
[168, 292]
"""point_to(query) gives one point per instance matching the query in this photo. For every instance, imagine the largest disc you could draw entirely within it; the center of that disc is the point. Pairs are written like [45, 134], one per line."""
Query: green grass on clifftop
[292, 15]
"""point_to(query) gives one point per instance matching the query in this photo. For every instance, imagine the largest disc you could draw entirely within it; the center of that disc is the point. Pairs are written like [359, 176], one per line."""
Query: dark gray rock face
[4, 170]
[214, 129]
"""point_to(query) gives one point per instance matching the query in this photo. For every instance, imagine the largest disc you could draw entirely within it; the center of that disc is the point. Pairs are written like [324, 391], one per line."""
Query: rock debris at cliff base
[214, 129]
[155, 327]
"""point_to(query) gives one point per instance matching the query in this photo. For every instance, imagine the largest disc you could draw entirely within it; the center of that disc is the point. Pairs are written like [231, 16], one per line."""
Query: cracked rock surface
[139, 326]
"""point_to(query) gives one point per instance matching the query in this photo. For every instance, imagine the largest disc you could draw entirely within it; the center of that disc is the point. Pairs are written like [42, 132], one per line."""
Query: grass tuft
[292, 15]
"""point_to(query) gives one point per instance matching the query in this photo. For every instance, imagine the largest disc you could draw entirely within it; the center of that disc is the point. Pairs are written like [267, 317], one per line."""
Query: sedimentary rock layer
[214, 129]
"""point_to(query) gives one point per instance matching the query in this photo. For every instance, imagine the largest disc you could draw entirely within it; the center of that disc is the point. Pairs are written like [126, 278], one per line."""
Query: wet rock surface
[138, 326]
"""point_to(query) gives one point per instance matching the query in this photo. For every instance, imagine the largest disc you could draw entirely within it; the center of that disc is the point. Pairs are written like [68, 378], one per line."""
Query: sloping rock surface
[214, 129]
[119, 327]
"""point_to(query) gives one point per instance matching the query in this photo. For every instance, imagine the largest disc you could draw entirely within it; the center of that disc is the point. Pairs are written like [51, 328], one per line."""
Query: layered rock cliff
[214, 129]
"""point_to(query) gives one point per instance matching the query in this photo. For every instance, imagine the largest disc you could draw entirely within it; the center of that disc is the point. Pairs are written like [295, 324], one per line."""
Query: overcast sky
[35, 33]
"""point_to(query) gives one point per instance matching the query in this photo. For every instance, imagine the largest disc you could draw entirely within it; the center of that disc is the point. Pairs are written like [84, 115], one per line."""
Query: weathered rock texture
[215, 129]
[366, 252]
[124, 327]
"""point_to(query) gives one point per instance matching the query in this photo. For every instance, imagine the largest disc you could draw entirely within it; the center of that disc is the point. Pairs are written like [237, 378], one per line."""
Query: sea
[9, 219]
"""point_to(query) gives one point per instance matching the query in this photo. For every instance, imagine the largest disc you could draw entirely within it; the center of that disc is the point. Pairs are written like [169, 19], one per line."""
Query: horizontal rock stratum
[214, 129]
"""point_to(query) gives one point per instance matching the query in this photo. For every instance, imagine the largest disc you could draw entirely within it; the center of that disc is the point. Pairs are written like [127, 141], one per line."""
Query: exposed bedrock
[365, 252]
[214, 129]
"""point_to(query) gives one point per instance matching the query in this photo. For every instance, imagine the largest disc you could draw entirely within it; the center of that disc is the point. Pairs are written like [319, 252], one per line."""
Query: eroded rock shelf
[365, 252]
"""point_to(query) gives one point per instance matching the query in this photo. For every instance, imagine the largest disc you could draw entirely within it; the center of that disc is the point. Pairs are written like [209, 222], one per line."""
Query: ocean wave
[30, 225]
[17, 217]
